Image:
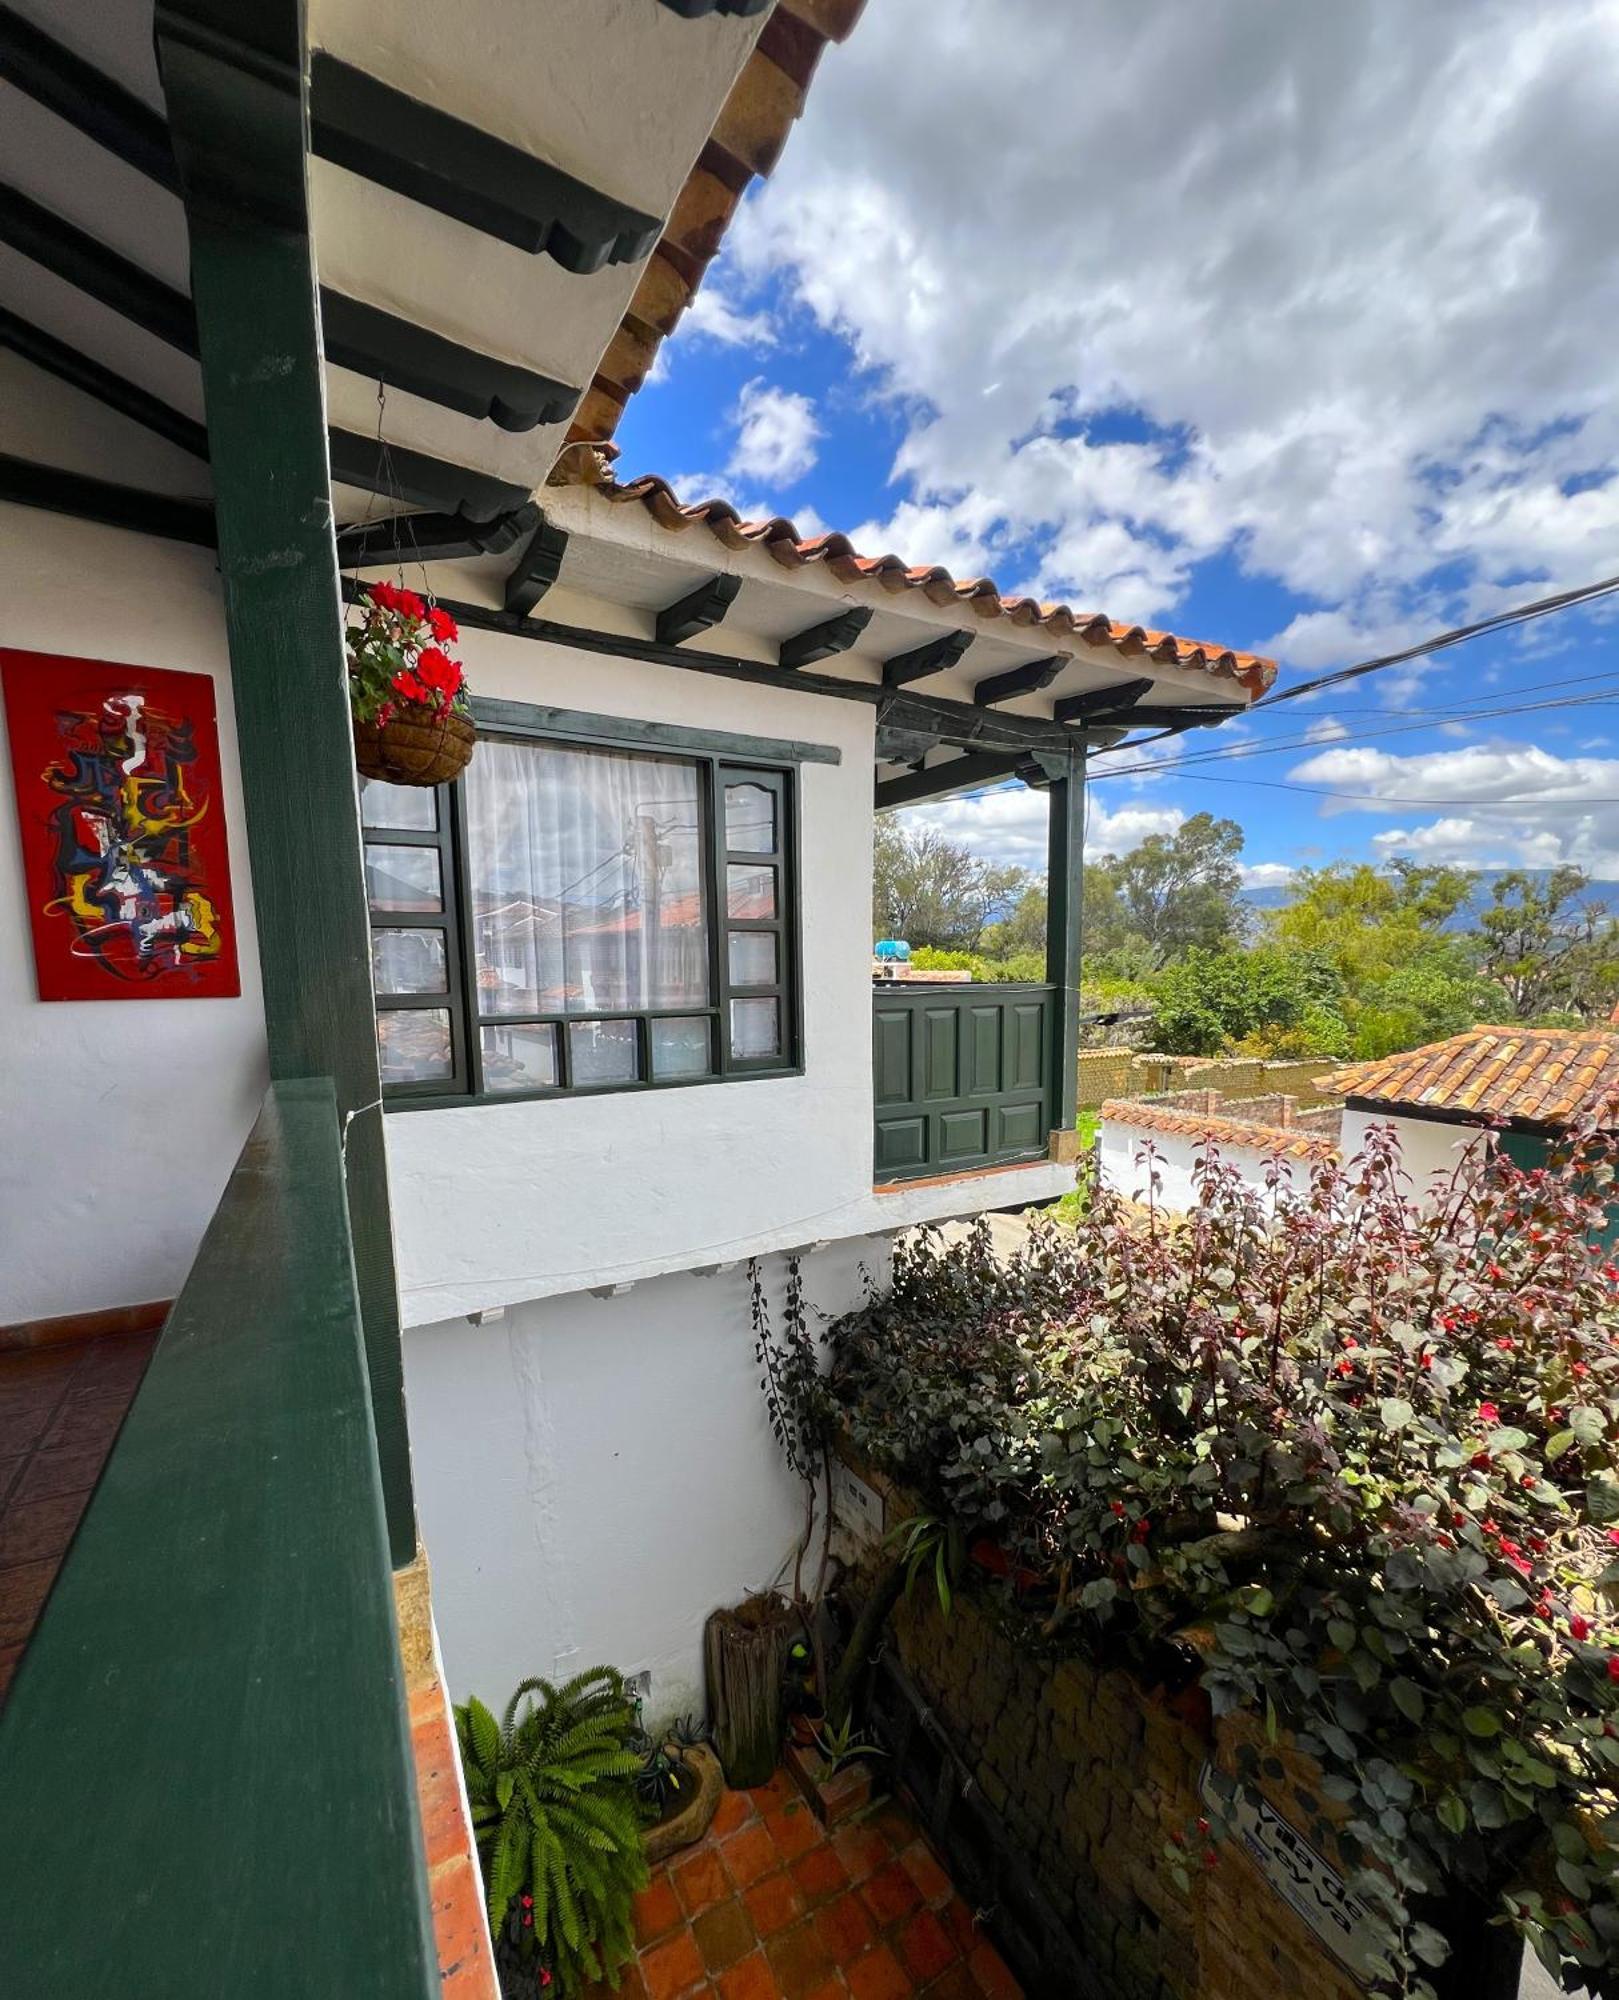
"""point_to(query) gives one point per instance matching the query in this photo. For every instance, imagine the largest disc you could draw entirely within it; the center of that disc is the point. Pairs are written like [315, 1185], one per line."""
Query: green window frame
[753, 1014]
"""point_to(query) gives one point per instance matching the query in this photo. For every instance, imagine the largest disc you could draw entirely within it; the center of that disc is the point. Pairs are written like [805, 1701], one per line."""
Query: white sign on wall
[857, 1509]
[1301, 1877]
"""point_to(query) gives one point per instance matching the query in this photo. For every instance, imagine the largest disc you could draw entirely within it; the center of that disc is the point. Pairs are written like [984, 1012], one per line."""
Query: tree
[931, 890]
[1175, 892]
[1369, 921]
[1023, 929]
[1547, 947]
[1283, 1002]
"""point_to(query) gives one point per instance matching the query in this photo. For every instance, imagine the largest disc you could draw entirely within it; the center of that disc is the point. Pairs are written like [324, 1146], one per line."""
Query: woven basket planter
[408, 751]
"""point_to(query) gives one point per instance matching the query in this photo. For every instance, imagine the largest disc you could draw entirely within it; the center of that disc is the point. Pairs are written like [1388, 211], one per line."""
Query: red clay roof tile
[1548, 1075]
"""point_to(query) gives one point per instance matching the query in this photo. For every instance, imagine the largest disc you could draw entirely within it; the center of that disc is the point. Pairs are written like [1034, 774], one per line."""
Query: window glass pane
[681, 1048]
[521, 1057]
[408, 961]
[413, 1044]
[587, 879]
[753, 958]
[412, 808]
[750, 819]
[750, 891]
[755, 1028]
[403, 878]
[603, 1052]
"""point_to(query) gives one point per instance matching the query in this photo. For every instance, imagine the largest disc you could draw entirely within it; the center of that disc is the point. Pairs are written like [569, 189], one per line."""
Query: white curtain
[587, 880]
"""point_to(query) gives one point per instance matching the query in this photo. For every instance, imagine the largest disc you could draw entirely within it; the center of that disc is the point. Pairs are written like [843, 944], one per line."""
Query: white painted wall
[119, 1120]
[594, 1476]
[1125, 1169]
[1430, 1148]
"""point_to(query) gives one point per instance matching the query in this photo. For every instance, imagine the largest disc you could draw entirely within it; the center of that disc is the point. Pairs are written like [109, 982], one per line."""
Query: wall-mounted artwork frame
[121, 809]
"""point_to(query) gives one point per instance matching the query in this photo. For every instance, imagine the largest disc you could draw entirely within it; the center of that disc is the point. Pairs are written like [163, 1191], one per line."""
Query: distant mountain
[1483, 879]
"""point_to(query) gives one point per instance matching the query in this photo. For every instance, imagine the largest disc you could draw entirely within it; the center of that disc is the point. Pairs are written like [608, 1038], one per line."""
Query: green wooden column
[1065, 861]
[233, 77]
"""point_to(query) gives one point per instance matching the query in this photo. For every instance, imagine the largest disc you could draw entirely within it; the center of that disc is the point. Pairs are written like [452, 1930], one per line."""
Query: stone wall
[1119, 1072]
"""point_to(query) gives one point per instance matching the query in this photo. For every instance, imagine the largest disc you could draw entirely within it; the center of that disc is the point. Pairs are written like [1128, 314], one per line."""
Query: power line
[1392, 799]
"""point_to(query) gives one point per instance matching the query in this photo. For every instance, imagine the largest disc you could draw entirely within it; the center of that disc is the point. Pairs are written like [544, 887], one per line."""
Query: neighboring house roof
[747, 140]
[781, 540]
[1267, 1139]
[1542, 1076]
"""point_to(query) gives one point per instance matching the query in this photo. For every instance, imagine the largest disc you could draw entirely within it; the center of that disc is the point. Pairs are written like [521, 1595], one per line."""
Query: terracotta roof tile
[781, 540]
[1267, 1139]
[1546, 1075]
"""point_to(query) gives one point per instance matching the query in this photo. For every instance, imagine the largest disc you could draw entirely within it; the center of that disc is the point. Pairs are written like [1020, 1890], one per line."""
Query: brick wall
[1105, 1073]
[1091, 1777]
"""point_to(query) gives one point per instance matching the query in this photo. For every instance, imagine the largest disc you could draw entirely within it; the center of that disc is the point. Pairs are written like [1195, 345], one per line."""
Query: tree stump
[745, 1659]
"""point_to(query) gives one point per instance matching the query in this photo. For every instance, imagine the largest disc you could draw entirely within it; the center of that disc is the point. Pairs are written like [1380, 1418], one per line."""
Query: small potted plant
[412, 715]
[678, 1788]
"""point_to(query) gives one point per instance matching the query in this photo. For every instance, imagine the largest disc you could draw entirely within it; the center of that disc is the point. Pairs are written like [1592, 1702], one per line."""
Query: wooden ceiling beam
[86, 99]
[820, 642]
[1100, 701]
[45, 351]
[933, 656]
[1029, 678]
[938, 781]
[114, 506]
[536, 569]
[428, 538]
[700, 610]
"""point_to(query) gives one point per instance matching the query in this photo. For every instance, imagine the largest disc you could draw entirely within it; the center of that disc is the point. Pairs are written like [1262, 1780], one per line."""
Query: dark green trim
[86, 99]
[961, 1077]
[523, 718]
[700, 610]
[820, 642]
[81, 261]
[939, 781]
[537, 568]
[419, 480]
[1029, 678]
[236, 115]
[933, 656]
[386, 348]
[428, 538]
[45, 351]
[1095, 702]
[423, 153]
[698, 10]
[1065, 902]
[87, 499]
[224, 1618]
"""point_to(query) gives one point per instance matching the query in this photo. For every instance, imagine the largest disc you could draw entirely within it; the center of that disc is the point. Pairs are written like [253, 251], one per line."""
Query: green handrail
[206, 1784]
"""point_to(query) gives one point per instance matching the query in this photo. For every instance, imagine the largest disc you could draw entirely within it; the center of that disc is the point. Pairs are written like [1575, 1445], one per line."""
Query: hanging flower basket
[412, 716]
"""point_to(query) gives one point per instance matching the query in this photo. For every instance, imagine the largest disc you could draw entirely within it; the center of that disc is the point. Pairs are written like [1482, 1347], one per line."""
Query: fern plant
[552, 1791]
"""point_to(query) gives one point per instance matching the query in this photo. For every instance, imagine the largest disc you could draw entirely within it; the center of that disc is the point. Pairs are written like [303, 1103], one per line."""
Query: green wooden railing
[962, 1076]
[206, 1784]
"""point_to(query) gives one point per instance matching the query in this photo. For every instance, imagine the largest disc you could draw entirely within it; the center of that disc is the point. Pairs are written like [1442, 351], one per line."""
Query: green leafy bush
[552, 1791]
[1353, 1457]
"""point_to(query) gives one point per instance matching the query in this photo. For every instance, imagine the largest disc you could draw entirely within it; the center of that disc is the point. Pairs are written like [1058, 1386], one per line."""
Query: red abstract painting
[122, 811]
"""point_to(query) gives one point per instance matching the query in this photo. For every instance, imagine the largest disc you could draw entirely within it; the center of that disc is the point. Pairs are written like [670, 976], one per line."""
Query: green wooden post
[1065, 860]
[235, 86]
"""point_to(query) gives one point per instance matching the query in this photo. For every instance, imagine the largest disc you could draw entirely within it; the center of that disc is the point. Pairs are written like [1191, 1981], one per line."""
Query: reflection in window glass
[753, 958]
[398, 808]
[681, 1048]
[755, 1029]
[586, 879]
[750, 891]
[603, 1052]
[407, 961]
[413, 1044]
[403, 878]
[520, 1057]
[750, 819]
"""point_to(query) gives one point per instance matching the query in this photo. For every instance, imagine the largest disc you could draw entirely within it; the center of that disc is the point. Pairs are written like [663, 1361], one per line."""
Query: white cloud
[1354, 267]
[713, 316]
[1266, 874]
[1327, 730]
[776, 434]
[1008, 826]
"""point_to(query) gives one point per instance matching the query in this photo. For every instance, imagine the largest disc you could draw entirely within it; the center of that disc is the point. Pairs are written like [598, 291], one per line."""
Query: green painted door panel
[960, 1077]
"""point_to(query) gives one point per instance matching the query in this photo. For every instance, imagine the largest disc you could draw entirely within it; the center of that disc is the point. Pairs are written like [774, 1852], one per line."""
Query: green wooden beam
[87, 498]
[1065, 862]
[213, 1704]
[237, 117]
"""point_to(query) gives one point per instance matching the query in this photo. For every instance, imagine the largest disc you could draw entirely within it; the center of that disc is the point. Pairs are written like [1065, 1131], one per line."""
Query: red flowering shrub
[396, 656]
[1354, 1456]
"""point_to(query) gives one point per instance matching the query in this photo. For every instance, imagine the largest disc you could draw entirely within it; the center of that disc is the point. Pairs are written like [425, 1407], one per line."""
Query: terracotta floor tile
[10, 1466]
[834, 1989]
[87, 1420]
[954, 1983]
[41, 1364]
[845, 1927]
[22, 1428]
[114, 1364]
[700, 1880]
[657, 1910]
[461, 1929]
[9, 1656]
[894, 1823]
[819, 1874]
[795, 1830]
[669, 1968]
[752, 1979]
[861, 1849]
[31, 1530]
[22, 1592]
[960, 1921]
[890, 1894]
[724, 1935]
[800, 1961]
[921, 1864]
[879, 1976]
[925, 1947]
[993, 1974]
[749, 1854]
[776, 1793]
[735, 1809]
[54, 1471]
[774, 1903]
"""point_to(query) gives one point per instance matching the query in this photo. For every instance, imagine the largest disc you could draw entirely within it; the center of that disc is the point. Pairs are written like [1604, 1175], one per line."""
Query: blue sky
[1293, 332]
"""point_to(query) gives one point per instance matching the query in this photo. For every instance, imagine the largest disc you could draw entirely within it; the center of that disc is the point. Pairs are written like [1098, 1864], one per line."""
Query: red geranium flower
[408, 602]
[444, 626]
[1488, 1414]
[1578, 1627]
[439, 672]
[405, 683]
[1613, 1666]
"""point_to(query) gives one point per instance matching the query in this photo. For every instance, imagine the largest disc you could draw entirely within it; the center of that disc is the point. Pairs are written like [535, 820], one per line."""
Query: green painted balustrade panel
[961, 1077]
[206, 1784]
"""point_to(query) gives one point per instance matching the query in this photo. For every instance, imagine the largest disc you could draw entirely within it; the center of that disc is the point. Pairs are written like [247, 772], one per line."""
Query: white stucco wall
[1121, 1147]
[594, 1476]
[119, 1120]
[1430, 1149]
